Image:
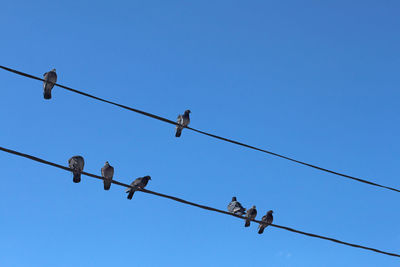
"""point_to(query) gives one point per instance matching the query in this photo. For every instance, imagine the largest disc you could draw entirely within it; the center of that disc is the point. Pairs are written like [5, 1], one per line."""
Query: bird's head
[107, 164]
[254, 206]
[188, 111]
[233, 198]
[270, 211]
[53, 70]
[147, 177]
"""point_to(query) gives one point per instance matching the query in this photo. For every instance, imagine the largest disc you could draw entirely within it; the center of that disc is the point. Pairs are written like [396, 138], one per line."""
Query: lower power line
[195, 204]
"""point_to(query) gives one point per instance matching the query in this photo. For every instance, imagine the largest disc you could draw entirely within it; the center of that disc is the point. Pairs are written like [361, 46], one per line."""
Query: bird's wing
[137, 182]
[186, 120]
[52, 76]
[239, 205]
[231, 206]
[81, 162]
[70, 162]
[111, 170]
[179, 120]
[249, 211]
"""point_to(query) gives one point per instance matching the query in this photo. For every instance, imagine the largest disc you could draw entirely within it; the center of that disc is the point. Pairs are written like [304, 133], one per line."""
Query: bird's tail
[107, 185]
[178, 131]
[247, 224]
[261, 229]
[130, 195]
[47, 94]
[77, 177]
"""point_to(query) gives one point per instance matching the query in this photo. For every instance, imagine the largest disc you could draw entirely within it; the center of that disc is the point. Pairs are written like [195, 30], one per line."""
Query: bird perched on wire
[140, 182]
[183, 121]
[107, 172]
[266, 220]
[50, 78]
[235, 207]
[251, 215]
[76, 163]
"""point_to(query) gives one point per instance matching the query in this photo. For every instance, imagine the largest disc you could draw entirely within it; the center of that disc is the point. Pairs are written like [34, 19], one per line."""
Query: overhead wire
[203, 132]
[31, 157]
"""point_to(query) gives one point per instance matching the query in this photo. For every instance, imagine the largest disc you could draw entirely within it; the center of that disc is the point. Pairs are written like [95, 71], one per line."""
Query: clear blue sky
[313, 80]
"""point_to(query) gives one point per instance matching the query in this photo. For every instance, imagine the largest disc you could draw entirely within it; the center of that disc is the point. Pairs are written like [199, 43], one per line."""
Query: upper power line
[196, 204]
[204, 133]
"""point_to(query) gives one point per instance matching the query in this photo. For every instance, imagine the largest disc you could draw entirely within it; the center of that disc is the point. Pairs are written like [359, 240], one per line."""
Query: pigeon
[76, 163]
[235, 207]
[267, 220]
[182, 121]
[50, 78]
[107, 172]
[251, 214]
[138, 183]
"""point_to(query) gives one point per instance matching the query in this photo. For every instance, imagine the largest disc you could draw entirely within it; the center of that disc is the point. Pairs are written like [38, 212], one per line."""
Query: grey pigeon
[251, 214]
[235, 207]
[76, 163]
[138, 183]
[267, 220]
[50, 78]
[107, 172]
[183, 121]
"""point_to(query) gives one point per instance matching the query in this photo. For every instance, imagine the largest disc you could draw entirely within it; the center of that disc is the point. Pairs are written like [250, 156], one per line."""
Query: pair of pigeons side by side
[236, 208]
[139, 183]
[76, 164]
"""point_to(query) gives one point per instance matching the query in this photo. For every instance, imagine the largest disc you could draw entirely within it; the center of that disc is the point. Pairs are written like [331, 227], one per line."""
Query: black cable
[195, 204]
[205, 133]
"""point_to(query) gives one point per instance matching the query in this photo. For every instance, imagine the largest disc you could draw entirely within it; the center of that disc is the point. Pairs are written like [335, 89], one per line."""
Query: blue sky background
[313, 80]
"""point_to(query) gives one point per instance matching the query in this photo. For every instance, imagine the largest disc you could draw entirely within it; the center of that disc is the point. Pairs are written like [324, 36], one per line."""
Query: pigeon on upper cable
[50, 78]
[183, 121]
[267, 220]
[235, 207]
[76, 163]
[107, 172]
[251, 214]
[138, 183]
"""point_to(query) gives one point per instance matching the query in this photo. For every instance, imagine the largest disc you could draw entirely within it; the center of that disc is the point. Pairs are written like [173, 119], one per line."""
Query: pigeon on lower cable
[235, 207]
[183, 121]
[138, 183]
[251, 214]
[107, 172]
[50, 78]
[76, 163]
[266, 220]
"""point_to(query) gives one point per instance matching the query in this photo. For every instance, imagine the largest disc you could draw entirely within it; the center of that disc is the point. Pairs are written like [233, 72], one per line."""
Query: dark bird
[50, 78]
[183, 121]
[107, 172]
[235, 207]
[251, 214]
[140, 182]
[76, 163]
[266, 220]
